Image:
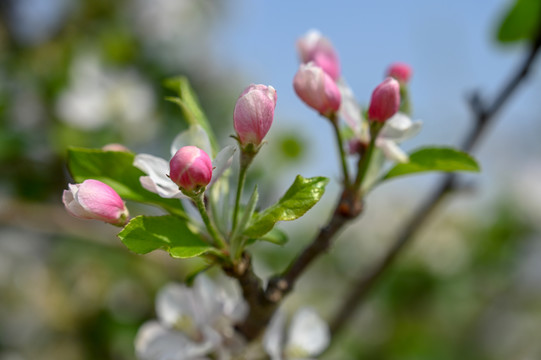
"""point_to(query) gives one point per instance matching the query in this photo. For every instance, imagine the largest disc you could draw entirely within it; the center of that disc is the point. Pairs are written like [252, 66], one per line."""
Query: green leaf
[434, 159]
[299, 198]
[275, 236]
[189, 104]
[116, 170]
[144, 234]
[521, 22]
[248, 210]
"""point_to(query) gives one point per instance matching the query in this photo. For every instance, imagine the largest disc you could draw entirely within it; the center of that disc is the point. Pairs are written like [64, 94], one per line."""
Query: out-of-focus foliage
[521, 22]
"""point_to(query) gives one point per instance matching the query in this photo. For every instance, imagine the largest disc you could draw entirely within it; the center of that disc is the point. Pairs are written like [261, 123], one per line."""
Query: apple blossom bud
[93, 199]
[254, 112]
[315, 47]
[190, 168]
[385, 100]
[115, 147]
[317, 89]
[400, 71]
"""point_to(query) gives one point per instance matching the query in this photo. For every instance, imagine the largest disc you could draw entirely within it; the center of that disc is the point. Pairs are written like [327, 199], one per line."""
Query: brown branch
[484, 116]
[348, 208]
[263, 303]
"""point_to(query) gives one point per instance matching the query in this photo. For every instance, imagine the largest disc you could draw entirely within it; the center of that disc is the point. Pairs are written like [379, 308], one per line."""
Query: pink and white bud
[93, 199]
[317, 89]
[254, 113]
[385, 100]
[318, 49]
[400, 71]
[115, 147]
[190, 168]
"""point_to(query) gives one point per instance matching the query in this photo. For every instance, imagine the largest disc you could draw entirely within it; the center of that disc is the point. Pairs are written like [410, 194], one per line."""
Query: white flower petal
[392, 151]
[308, 333]
[273, 340]
[414, 129]
[400, 127]
[349, 110]
[176, 308]
[207, 307]
[155, 342]
[157, 180]
[194, 136]
[69, 197]
[222, 162]
[233, 305]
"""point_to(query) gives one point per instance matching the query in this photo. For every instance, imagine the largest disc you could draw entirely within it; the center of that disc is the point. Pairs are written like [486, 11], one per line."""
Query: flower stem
[245, 161]
[198, 199]
[364, 162]
[333, 118]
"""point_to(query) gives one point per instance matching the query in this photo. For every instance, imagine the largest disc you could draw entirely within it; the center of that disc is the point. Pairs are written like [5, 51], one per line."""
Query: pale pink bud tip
[115, 147]
[385, 100]
[254, 113]
[93, 199]
[400, 71]
[317, 89]
[190, 168]
[318, 49]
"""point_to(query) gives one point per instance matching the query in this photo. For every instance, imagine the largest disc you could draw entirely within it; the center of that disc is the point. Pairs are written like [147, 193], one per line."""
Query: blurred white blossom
[193, 322]
[97, 96]
[175, 32]
[308, 335]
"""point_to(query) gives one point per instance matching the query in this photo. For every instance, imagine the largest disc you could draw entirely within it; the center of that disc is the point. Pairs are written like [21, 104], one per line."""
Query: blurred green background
[89, 72]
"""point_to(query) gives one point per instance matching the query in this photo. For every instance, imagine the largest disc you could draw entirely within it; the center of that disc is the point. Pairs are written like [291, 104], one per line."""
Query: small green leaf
[248, 210]
[275, 236]
[144, 234]
[434, 159]
[299, 198]
[116, 170]
[189, 104]
[521, 22]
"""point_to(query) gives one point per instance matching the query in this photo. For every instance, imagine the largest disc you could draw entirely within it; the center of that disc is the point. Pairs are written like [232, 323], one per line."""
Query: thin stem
[245, 161]
[364, 161]
[198, 199]
[334, 122]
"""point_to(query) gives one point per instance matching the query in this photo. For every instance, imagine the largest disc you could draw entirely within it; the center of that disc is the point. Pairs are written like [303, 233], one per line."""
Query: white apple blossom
[308, 336]
[157, 169]
[193, 322]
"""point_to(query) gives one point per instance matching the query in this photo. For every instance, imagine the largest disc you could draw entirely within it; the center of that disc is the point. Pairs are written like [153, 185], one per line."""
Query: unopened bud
[400, 71]
[318, 49]
[115, 147]
[93, 199]
[190, 168]
[317, 89]
[254, 113]
[385, 100]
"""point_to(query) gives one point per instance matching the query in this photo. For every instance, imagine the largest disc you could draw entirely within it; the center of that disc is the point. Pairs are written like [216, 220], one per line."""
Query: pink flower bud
[400, 71]
[317, 89]
[190, 168]
[314, 47]
[93, 199]
[254, 112]
[385, 100]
